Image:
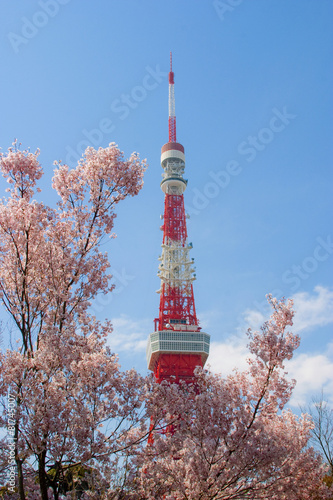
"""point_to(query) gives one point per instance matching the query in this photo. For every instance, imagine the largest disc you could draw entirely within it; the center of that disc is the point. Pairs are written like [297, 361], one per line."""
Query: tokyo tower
[177, 345]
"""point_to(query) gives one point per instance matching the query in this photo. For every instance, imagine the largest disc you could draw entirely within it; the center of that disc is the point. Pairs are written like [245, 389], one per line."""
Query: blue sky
[253, 86]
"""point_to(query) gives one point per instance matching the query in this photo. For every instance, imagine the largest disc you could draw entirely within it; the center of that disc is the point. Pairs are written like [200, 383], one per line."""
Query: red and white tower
[177, 345]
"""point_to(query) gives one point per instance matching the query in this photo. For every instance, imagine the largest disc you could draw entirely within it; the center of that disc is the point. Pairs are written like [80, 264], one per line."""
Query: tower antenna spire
[172, 105]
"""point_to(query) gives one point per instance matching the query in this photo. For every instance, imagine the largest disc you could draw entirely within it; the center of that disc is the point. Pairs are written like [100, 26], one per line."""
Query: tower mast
[177, 345]
[172, 105]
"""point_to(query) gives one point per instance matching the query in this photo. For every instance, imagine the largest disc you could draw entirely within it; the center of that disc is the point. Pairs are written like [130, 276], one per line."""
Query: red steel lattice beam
[174, 227]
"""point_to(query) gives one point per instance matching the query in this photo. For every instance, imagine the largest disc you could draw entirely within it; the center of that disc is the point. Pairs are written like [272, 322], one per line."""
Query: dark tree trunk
[19, 465]
[20, 478]
[42, 475]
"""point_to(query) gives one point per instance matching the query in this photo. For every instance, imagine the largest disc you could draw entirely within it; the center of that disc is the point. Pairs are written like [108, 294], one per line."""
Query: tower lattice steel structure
[177, 345]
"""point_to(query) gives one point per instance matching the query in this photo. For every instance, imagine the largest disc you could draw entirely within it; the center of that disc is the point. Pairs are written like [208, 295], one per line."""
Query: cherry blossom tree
[232, 438]
[78, 422]
[73, 404]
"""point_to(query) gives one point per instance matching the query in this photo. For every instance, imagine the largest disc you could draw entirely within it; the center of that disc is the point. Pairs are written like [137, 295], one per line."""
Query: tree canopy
[76, 424]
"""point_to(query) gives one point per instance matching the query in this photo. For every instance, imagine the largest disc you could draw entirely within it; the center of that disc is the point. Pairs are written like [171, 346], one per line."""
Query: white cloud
[225, 356]
[313, 373]
[313, 310]
[129, 335]
[253, 319]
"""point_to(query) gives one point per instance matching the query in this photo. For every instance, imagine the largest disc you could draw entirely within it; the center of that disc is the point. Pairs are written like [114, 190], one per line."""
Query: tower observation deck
[177, 345]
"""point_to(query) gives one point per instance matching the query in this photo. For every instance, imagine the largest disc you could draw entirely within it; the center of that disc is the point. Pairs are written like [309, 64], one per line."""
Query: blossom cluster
[77, 424]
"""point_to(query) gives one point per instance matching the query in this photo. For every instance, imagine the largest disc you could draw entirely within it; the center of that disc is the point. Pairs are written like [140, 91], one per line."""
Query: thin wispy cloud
[129, 335]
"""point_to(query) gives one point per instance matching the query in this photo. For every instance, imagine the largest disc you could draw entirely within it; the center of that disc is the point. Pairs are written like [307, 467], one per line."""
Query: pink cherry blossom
[232, 438]
[118, 434]
[73, 404]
